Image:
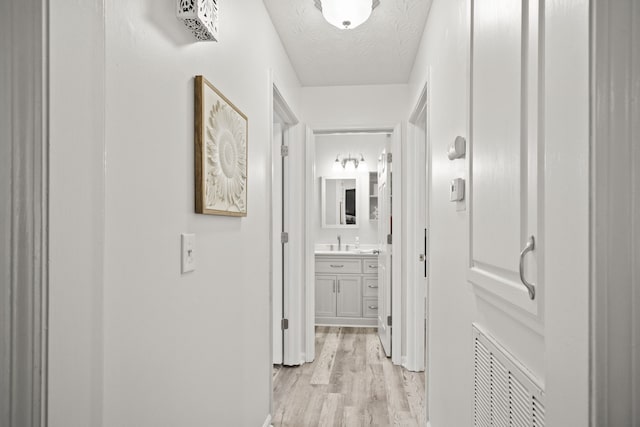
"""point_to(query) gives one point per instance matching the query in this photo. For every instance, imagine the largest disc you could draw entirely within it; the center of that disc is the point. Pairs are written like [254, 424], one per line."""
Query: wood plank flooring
[351, 383]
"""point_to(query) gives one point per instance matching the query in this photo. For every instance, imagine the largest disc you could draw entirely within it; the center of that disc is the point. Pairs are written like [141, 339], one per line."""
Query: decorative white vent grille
[201, 17]
[505, 393]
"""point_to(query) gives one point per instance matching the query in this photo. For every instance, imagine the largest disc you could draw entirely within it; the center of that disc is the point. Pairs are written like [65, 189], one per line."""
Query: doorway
[345, 354]
[331, 241]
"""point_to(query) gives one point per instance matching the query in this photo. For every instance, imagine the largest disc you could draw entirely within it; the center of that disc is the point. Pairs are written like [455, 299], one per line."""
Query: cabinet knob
[373, 286]
[373, 307]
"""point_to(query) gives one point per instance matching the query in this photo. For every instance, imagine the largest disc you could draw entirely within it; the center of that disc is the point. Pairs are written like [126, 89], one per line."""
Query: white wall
[444, 61]
[185, 349]
[170, 340]
[76, 209]
[443, 55]
[327, 147]
[354, 106]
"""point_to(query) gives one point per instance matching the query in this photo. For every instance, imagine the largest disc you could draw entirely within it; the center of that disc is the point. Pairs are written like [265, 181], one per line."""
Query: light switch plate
[456, 191]
[188, 246]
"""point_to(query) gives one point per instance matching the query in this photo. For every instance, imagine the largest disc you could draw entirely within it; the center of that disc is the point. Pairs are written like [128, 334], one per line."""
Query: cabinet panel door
[349, 296]
[326, 296]
[504, 147]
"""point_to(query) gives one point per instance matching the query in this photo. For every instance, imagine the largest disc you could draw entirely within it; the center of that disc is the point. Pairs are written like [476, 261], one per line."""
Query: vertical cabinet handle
[334, 286]
[338, 286]
[530, 246]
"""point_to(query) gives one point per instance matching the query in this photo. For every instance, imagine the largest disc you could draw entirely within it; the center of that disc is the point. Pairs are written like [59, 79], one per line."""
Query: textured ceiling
[380, 51]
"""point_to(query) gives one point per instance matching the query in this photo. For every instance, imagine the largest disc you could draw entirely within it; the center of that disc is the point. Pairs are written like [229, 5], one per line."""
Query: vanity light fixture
[346, 14]
[348, 162]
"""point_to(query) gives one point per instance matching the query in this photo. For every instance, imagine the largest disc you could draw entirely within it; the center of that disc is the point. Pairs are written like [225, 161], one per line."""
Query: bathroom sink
[345, 249]
[346, 252]
[337, 252]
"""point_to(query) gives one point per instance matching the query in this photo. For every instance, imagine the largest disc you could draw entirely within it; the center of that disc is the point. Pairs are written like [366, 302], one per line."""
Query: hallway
[351, 383]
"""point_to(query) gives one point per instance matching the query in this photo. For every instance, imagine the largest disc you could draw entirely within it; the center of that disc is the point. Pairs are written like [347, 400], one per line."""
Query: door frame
[397, 133]
[24, 218]
[279, 107]
[418, 170]
[614, 208]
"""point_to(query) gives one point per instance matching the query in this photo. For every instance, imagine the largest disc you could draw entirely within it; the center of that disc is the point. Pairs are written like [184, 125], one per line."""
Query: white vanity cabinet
[346, 289]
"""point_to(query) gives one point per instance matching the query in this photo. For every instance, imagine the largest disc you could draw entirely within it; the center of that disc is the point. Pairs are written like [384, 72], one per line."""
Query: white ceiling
[380, 51]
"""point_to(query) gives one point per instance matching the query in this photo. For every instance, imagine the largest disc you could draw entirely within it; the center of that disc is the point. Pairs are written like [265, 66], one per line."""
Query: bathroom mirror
[340, 206]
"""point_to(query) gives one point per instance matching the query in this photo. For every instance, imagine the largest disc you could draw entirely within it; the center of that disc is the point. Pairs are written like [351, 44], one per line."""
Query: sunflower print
[226, 150]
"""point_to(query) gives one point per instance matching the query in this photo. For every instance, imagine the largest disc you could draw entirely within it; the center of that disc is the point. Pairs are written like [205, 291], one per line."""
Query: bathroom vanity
[346, 288]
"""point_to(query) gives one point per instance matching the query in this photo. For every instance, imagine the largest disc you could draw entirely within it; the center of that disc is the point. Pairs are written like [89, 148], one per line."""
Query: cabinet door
[349, 296]
[326, 296]
[370, 287]
[505, 165]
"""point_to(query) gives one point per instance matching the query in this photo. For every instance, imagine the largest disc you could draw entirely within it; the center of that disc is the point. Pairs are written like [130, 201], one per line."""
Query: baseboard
[267, 422]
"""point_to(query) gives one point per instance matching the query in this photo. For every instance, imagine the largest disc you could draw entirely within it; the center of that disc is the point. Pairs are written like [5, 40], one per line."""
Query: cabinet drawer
[370, 288]
[370, 307]
[338, 266]
[370, 265]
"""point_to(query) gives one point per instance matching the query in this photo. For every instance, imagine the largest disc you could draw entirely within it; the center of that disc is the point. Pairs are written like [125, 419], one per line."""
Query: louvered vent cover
[505, 393]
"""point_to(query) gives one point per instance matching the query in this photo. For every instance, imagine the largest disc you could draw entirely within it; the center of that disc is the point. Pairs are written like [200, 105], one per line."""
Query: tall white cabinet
[506, 147]
[506, 178]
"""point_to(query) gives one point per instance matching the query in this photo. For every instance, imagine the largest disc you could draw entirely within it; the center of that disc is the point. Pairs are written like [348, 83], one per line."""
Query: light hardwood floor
[351, 383]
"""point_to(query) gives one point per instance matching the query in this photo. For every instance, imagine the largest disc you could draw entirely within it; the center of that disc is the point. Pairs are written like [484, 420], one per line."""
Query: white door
[384, 257]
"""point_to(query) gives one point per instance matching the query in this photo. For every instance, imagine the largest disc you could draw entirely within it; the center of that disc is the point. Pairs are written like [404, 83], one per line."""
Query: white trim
[267, 421]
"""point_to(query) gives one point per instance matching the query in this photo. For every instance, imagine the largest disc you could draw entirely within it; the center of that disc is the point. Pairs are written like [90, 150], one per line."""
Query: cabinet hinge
[284, 150]
[389, 157]
[389, 239]
[284, 237]
[284, 324]
[389, 321]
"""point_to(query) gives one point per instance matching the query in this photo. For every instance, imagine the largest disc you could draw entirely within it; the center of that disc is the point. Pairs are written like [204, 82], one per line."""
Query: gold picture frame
[221, 153]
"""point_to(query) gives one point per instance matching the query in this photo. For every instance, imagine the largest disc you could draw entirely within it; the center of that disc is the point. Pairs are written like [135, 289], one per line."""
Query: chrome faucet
[339, 243]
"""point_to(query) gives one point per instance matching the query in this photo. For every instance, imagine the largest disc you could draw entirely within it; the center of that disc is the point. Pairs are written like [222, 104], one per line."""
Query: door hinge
[284, 324]
[389, 157]
[389, 239]
[389, 321]
[284, 237]
[284, 150]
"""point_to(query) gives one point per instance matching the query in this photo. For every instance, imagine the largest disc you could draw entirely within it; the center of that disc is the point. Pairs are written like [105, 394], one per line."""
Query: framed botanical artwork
[221, 137]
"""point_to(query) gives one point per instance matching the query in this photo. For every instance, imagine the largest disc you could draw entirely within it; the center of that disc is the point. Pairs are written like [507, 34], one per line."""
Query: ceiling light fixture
[346, 14]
